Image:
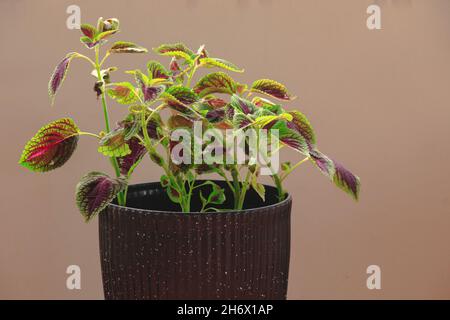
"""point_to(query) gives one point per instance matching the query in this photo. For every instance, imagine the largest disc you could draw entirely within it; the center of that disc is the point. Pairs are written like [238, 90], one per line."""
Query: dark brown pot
[150, 250]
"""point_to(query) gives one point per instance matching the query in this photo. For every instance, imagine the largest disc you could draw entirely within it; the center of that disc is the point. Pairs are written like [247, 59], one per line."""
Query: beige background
[379, 101]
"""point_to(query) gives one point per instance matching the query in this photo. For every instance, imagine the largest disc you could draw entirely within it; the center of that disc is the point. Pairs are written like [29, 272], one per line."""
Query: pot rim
[285, 202]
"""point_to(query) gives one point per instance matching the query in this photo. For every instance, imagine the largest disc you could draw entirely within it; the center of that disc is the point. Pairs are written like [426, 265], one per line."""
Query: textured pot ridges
[170, 255]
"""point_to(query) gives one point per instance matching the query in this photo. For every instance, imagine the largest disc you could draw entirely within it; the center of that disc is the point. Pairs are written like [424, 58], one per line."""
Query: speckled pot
[150, 250]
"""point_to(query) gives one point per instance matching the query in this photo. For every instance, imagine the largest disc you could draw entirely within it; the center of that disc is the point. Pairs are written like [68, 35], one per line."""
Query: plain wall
[379, 102]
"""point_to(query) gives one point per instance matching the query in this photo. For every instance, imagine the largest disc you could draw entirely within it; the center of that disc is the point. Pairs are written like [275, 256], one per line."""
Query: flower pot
[151, 250]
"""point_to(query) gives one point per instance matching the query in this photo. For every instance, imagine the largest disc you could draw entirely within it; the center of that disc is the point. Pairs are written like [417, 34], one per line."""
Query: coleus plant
[161, 100]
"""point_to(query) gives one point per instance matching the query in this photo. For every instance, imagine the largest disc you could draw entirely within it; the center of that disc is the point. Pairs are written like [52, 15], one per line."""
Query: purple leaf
[59, 74]
[301, 124]
[346, 180]
[95, 191]
[127, 163]
[242, 105]
[337, 173]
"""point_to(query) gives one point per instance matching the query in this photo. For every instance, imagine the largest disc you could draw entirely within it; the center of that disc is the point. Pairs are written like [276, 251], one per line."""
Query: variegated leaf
[178, 50]
[220, 63]
[271, 88]
[156, 70]
[123, 93]
[95, 191]
[126, 47]
[113, 144]
[51, 146]
[216, 82]
[130, 161]
[59, 74]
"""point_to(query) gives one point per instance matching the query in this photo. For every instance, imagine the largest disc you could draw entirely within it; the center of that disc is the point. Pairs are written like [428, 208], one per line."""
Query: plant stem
[237, 186]
[278, 184]
[113, 160]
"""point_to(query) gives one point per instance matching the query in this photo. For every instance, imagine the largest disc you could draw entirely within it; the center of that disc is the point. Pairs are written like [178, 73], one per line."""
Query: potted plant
[184, 236]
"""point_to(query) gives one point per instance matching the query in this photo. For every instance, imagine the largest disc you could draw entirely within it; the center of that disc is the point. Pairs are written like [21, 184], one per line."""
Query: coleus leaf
[178, 121]
[113, 144]
[216, 82]
[131, 125]
[126, 47]
[123, 93]
[51, 146]
[88, 42]
[346, 180]
[267, 105]
[271, 88]
[290, 137]
[59, 74]
[95, 191]
[240, 120]
[264, 121]
[88, 30]
[183, 94]
[337, 173]
[242, 105]
[157, 71]
[131, 160]
[302, 125]
[152, 93]
[216, 115]
[220, 63]
[178, 50]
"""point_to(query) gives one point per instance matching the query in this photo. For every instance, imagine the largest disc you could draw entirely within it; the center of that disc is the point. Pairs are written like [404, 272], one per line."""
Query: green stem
[120, 197]
[237, 186]
[278, 184]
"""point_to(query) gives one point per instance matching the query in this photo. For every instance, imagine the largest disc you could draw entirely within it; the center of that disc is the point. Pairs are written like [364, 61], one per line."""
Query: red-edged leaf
[128, 162]
[51, 147]
[216, 82]
[95, 191]
[126, 47]
[271, 88]
[59, 74]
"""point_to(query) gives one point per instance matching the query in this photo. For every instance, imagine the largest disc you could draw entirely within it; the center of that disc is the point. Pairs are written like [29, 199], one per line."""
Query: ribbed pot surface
[156, 254]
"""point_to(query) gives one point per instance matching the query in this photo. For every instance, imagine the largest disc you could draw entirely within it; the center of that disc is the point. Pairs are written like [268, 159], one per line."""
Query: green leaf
[156, 70]
[113, 144]
[271, 88]
[216, 82]
[51, 146]
[95, 191]
[126, 47]
[178, 50]
[258, 187]
[220, 63]
[123, 93]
